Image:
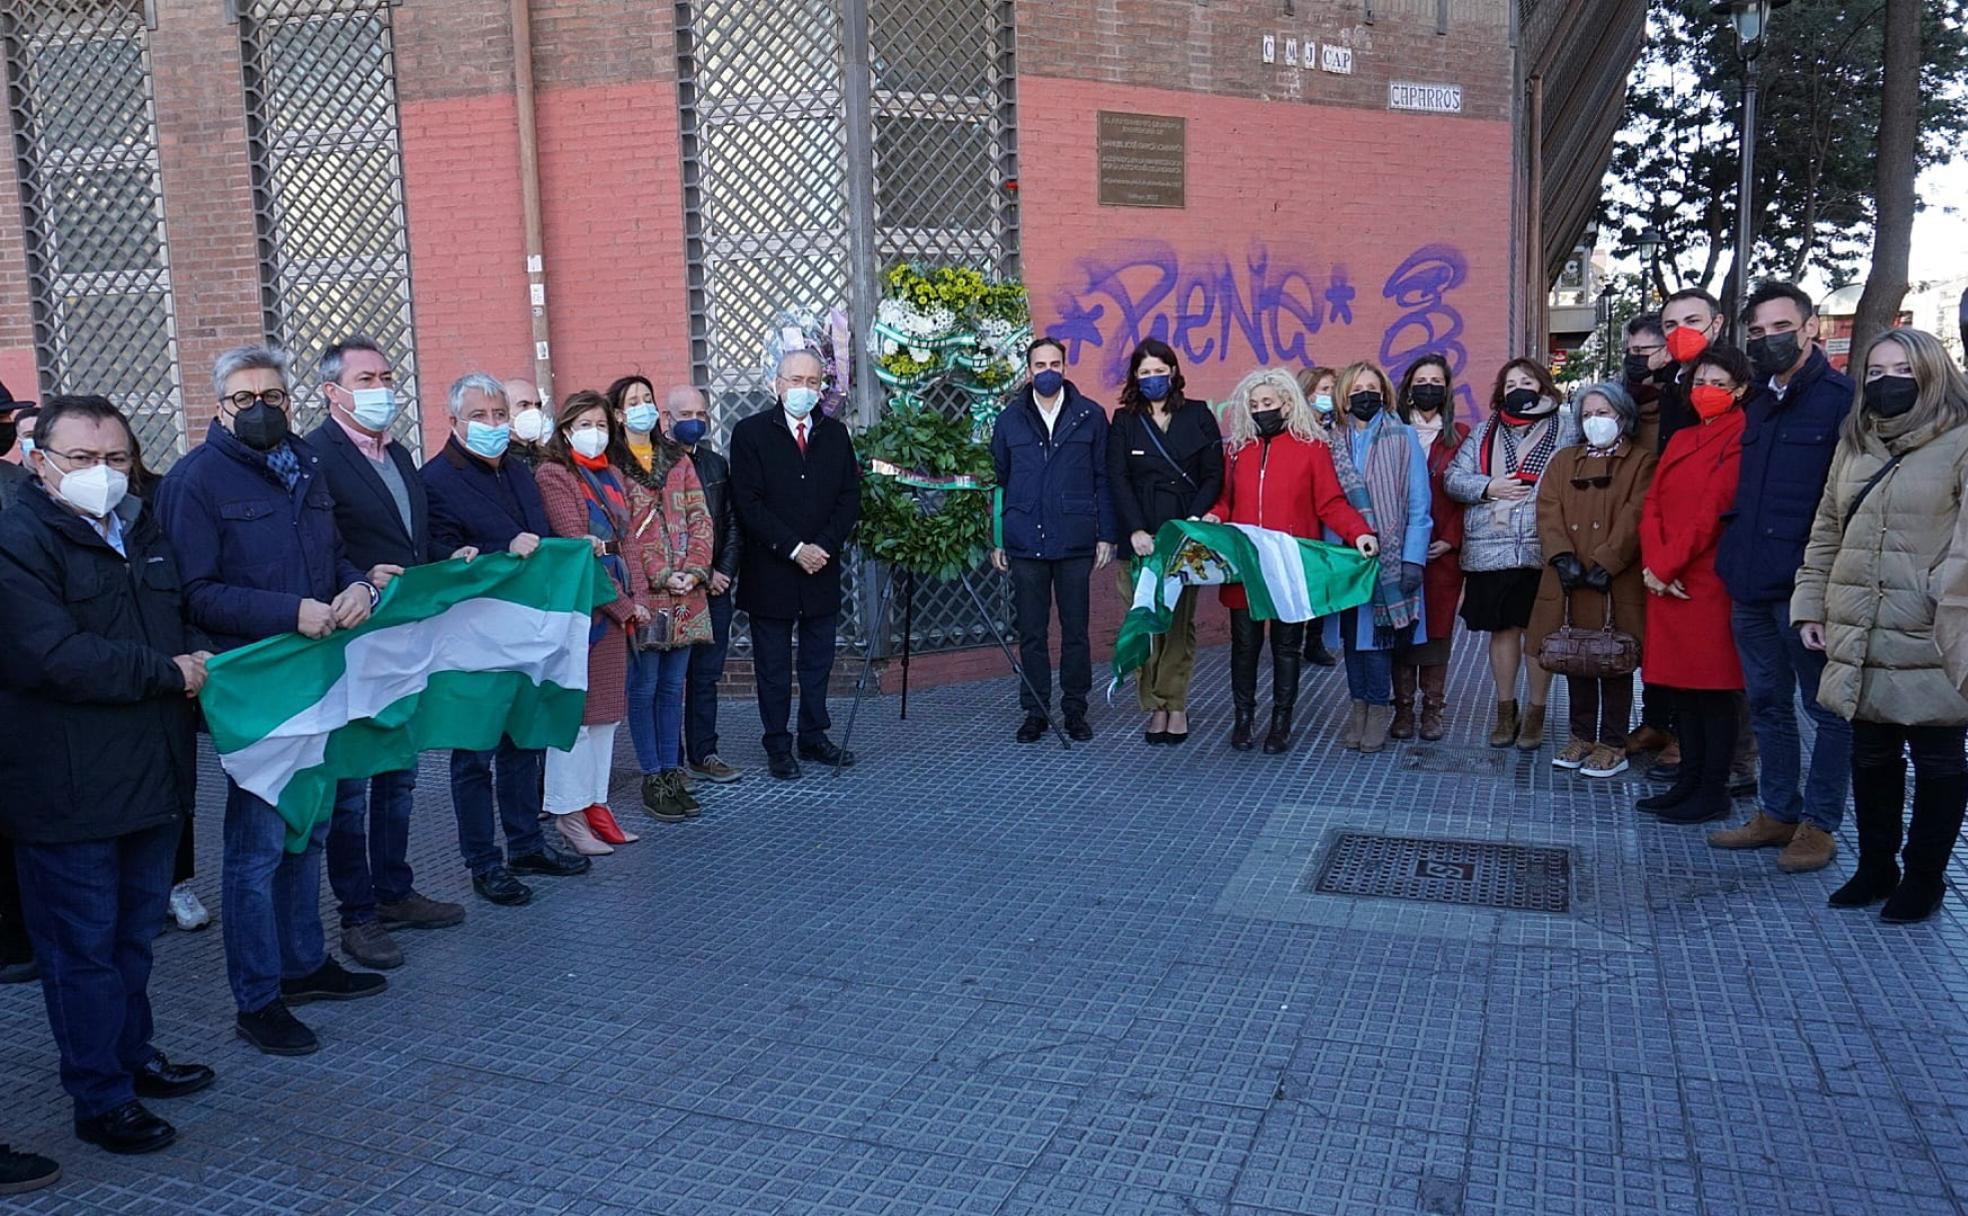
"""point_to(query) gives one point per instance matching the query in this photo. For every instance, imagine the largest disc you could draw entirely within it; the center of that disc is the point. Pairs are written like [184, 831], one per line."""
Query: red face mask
[1685, 343]
[1710, 400]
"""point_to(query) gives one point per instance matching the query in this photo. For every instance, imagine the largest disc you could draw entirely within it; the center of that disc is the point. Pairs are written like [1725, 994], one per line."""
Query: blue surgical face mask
[1155, 388]
[373, 408]
[487, 441]
[690, 431]
[27, 446]
[1323, 403]
[800, 400]
[640, 418]
[1048, 382]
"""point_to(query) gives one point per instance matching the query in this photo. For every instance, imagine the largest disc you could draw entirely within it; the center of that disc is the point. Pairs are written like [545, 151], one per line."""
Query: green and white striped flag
[456, 655]
[1285, 579]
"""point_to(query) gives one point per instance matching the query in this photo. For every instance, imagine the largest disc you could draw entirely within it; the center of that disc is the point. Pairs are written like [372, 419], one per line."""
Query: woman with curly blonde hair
[1278, 474]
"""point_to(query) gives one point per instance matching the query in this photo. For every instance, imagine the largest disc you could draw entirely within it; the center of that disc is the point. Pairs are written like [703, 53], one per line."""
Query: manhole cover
[1461, 761]
[1521, 878]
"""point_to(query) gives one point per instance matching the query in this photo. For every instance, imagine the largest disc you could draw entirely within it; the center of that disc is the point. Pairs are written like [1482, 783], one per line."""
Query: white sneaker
[186, 910]
[1605, 762]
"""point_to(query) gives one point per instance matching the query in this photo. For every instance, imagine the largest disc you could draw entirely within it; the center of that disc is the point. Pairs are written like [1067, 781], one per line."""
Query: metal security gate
[824, 140]
[321, 125]
[85, 147]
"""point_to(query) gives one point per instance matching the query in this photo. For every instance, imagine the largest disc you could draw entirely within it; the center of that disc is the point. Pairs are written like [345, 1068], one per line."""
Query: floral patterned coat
[672, 523]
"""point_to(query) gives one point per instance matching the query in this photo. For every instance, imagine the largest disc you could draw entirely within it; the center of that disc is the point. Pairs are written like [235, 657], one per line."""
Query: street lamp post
[1650, 241]
[1606, 319]
[1751, 19]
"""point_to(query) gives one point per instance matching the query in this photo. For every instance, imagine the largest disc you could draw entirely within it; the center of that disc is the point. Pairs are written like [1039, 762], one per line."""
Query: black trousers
[772, 675]
[1036, 587]
[14, 945]
[1937, 750]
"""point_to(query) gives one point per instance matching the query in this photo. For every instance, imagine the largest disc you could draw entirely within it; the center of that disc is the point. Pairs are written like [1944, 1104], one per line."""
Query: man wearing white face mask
[101, 665]
[530, 420]
[383, 514]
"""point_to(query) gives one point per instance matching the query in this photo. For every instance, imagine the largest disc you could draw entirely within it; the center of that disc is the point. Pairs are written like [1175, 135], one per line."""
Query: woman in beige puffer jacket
[1884, 593]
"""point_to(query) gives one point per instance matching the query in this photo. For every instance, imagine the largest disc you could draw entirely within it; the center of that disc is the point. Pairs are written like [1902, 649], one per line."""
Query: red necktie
[799, 433]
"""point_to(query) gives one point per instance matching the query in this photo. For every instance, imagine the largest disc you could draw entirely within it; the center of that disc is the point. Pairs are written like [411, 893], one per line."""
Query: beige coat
[1878, 586]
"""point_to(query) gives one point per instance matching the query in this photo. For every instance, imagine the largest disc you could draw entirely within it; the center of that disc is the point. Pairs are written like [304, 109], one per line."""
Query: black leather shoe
[500, 887]
[550, 862]
[159, 1078]
[1155, 738]
[1174, 740]
[127, 1129]
[277, 1032]
[1866, 887]
[331, 982]
[1913, 901]
[1032, 729]
[1316, 652]
[785, 768]
[1240, 732]
[825, 752]
[1077, 728]
[1278, 739]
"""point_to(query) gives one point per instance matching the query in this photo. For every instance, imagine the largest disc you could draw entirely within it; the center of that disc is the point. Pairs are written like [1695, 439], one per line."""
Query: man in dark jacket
[1788, 441]
[796, 486]
[483, 499]
[253, 526]
[1050, 450]
[384, 518]
[689, 420]
[98, 759]
[1691, 321]
[13, 477]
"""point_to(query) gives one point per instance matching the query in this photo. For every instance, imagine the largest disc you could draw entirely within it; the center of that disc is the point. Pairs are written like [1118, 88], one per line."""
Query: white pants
[578, 778]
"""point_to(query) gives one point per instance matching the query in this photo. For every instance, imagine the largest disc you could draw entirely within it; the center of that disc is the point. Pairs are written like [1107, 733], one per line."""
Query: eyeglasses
[122, 462]
[275, 397]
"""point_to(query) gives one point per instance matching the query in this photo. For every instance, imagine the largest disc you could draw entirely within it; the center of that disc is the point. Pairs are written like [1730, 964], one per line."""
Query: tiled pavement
[970, 977]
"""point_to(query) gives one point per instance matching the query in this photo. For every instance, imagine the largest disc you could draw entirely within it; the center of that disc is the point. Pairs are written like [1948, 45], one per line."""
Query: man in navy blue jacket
[483, 499]
[1787, 446]
[253, 526]
[1057, 528]
[384, 519]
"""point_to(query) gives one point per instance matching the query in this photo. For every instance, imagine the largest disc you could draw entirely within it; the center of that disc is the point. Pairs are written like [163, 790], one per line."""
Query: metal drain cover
[1479, 873]
[1461, 761]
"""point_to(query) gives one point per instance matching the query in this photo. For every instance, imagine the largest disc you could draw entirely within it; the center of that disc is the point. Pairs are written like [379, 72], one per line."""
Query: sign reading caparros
[1432, 98]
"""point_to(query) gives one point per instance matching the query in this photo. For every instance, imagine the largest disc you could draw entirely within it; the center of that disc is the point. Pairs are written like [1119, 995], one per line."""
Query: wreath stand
[886, 576]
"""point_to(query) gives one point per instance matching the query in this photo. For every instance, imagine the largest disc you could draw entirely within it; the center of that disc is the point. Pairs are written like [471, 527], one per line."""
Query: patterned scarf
[608, 518]
[284, 465]
[1381, 494]
[1531, 465]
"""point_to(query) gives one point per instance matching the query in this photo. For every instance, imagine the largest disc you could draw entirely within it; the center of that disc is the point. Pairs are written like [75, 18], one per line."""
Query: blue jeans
[270, 902]
[1369, 673]
[369, 843]
[516, 773]
[700, 691]
[655, 693]
[91, 910]
[1776, 668]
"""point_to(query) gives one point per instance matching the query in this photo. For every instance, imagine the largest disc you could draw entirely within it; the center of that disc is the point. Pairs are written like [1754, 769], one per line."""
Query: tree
[1899, 118]
[1676, 160]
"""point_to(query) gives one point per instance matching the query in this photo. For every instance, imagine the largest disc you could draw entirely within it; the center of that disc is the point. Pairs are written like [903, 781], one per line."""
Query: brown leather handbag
[1593, 654]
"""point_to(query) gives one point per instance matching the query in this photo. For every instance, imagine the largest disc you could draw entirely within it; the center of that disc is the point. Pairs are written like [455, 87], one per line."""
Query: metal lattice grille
[327, 162]
[766, 89]
[85, 144]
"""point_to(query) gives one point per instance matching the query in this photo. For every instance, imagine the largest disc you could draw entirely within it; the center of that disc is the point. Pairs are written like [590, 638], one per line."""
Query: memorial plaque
[1143, 159]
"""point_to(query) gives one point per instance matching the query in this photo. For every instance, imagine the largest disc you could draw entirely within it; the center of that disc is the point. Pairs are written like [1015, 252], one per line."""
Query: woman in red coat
[1690, 652]
[1277, 475]
[585, 496]
[1427, 403]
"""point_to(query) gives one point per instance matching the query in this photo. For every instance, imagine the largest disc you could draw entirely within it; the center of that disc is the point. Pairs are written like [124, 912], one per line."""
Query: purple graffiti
[1429, 324]
[1269, 306]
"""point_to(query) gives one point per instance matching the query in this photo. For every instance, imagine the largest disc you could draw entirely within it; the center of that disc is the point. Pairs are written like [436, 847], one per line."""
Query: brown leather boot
[1530, 732]
[1403, 725]
[1504, 733]
[1434, 682]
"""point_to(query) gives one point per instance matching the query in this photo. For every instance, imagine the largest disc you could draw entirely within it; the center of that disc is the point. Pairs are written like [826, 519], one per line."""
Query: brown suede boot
[1761, 832]
[1434, 682]
[1356, 724]
[1504, 733]
[1811, 849]
[1403, 726]
[1530, 733]
[1373, 732]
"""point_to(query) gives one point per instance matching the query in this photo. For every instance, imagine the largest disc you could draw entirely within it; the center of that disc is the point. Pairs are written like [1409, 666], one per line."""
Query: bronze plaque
[1143, 159]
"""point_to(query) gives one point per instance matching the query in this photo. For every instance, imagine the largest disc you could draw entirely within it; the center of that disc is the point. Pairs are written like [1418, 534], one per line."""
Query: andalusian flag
[1285, 579]
[456, 655]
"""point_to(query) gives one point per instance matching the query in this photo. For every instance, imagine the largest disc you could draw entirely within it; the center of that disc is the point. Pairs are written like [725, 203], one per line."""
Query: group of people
[1752, 526]
[120, 586]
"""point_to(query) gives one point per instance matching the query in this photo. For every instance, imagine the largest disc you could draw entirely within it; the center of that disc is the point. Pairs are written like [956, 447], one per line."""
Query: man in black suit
[383, 515]
[797, 488]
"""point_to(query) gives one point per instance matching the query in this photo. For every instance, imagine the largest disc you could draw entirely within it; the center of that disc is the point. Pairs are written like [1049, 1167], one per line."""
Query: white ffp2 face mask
[590, 443]
[94, 491]
[1601, 432]
[529, 426]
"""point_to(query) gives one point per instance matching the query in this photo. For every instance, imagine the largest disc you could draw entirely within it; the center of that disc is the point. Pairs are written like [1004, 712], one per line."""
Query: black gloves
[1597, 579]
[1570, 573]
[1410, 577]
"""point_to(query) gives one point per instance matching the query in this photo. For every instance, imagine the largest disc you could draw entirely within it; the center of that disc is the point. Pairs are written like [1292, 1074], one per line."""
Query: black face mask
[259, 426]
[1519, 403]
[7, 432]
[1429, 398]
[1637, 370]
[1891, 396]
[1774, 354]
[1365, 404]
[1269, 423]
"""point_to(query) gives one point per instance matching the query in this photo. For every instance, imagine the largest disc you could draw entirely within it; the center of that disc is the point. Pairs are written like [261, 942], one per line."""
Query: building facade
[593, 187]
